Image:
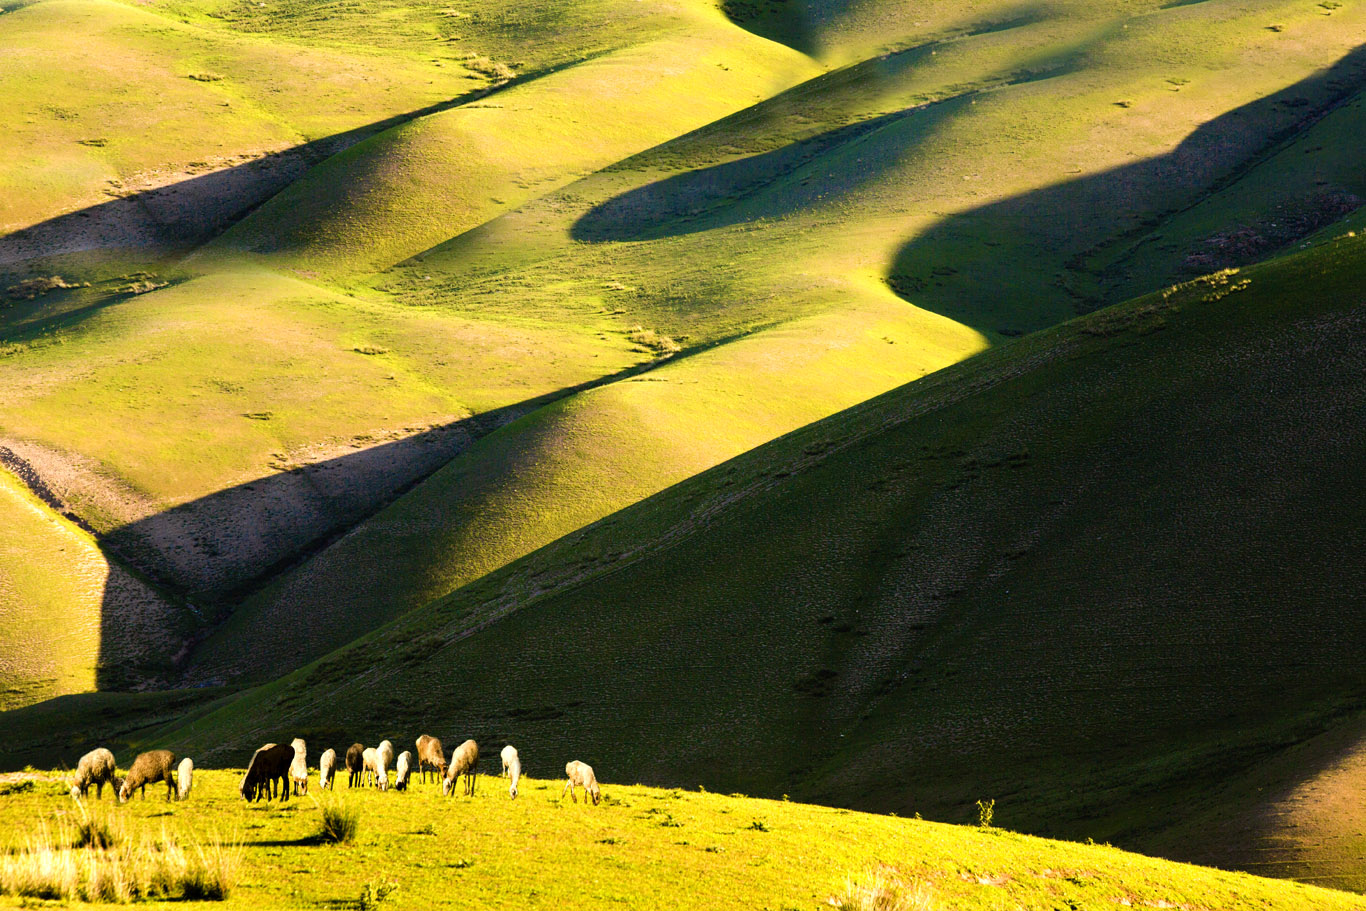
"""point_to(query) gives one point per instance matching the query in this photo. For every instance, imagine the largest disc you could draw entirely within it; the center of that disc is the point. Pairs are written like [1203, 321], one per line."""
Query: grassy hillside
[766, 235]
[1097, 573]
[645, 846]
[354, 331]
[826, 204]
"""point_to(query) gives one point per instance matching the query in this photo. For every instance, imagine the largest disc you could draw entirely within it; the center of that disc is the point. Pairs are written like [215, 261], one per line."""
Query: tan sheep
[512, 768]
[97, 768]
[184, 778]
[430, 756]
[327, 764]
[149, 768]
[464, 761]
[581, 774]
[298, 769]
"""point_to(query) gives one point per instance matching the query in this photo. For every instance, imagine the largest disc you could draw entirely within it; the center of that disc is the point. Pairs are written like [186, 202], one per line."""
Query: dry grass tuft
[649, 338]
[882, 888]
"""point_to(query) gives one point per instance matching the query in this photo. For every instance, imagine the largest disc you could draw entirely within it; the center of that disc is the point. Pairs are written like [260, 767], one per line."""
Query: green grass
[646, 846]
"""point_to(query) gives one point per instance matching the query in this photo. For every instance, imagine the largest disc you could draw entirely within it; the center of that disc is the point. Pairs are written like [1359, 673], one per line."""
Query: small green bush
[340, 822]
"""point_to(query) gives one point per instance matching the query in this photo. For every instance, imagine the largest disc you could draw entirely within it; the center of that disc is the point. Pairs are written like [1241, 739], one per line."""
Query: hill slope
[268, 432]
[1091, 573]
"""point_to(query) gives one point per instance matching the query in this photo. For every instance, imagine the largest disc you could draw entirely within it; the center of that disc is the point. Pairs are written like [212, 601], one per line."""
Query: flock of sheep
[287, 767]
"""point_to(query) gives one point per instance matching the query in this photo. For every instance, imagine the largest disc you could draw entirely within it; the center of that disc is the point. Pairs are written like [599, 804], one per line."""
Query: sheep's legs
[569, 786]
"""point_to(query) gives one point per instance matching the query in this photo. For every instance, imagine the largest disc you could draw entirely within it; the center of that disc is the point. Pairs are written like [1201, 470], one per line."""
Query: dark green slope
[1088, 574]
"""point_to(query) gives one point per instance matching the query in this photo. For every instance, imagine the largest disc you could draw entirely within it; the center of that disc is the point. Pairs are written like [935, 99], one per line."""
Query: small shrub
[94, 831]
[23, 786]
[370, 349]
[375, 893]
[883, 889]
[36, 287]
[649, 338]
[758, 826]
[143, 286]
[498, 72]
[206, 77]
[340, 822]
[986, 812]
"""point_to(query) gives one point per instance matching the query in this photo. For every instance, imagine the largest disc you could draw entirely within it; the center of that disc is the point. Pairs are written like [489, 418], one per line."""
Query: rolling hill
[1104, 574]
[888, 404]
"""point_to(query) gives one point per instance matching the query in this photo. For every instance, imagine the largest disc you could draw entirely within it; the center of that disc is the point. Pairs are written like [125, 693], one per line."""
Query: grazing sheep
[326, 764]
[371, 760]
[355, 764]
[385, 761]
[149, 768]
[431, 756]
[464, 761]
[268, 765]
[581, 774]
[402, 770]
[97, 768]
[512, 768]
[298, 769]
[184, 778]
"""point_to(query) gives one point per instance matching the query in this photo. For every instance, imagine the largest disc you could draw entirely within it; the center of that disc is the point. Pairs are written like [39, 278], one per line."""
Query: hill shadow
[977, 267]
[177, 217]
[204, 556]
[795, 177]
[1006, 268]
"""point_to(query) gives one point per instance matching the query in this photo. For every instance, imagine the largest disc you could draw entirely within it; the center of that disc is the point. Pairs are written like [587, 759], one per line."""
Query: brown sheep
[269, 764]
[430, 755]
[464, 761]
[355, 764]
[149, 768]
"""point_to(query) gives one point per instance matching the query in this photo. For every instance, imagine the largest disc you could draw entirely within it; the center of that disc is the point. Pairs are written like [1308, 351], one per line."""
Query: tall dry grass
[882, 888]
[93, 861]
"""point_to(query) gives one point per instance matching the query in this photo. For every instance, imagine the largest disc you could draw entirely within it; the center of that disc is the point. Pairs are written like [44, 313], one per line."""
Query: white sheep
[184, 778]
[402, 770]
[512, 768]
[97, 768]
[298, 769]
[327, 764]
[385, 756]
[581, 774]
[371, 760]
